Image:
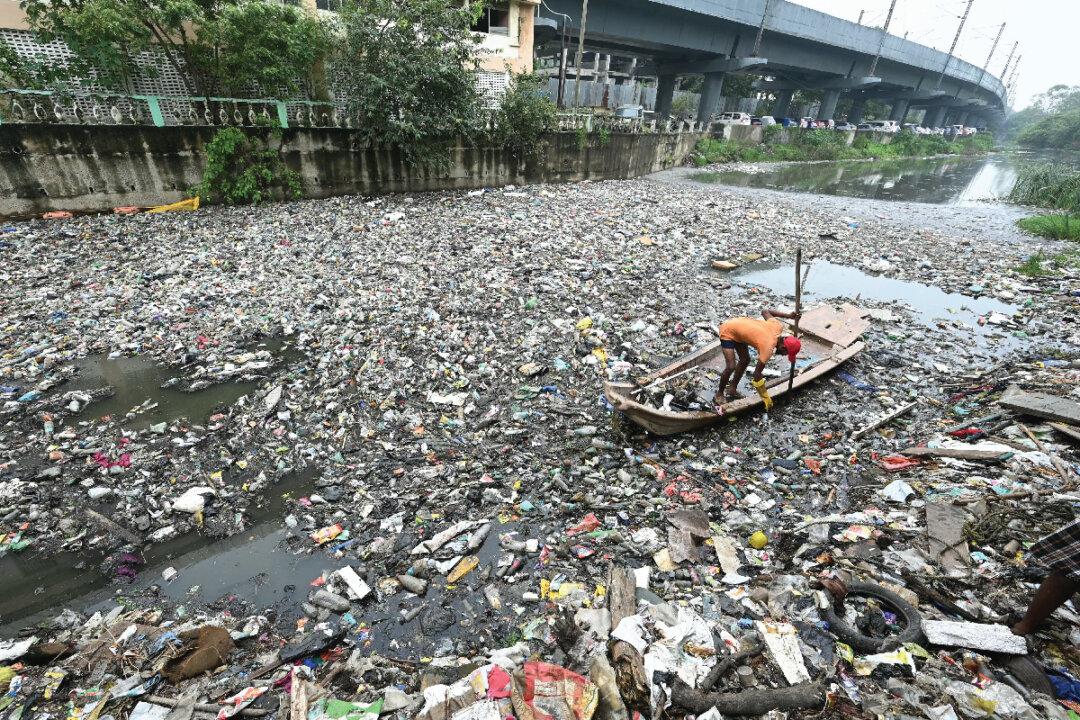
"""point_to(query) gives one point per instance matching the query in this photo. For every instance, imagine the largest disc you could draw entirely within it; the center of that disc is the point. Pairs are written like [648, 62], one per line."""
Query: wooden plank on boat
[843, 326]
[1041, 405]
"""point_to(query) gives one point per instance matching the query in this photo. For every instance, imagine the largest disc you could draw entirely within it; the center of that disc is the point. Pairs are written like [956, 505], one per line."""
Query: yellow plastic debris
[189, 204]
[759, 540]
[463, 568]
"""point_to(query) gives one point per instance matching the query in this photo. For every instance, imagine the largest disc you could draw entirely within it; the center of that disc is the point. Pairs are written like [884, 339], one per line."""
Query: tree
[409, 73]
[216, 46]
[1039, 117]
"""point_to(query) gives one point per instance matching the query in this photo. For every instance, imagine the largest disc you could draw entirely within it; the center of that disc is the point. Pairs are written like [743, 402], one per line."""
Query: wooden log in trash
[1058, 465]
[883, 420]
[725, 665]
[724, 265]
[203, 707]
[1064, 429]
[1050, 407]
[749, 702]
[625, 659]
[958, 453]
[113, 526]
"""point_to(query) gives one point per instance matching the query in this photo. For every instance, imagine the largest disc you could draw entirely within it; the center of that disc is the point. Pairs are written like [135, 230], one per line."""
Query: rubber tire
[1027, 671]
[864, 643]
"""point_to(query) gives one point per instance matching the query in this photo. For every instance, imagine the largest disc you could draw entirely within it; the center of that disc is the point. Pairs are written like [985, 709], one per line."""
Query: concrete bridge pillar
[899, 110]
[665, 95]
[828, 105]
[935, 117]
[783, 103]
[858, 107]
[710, 95]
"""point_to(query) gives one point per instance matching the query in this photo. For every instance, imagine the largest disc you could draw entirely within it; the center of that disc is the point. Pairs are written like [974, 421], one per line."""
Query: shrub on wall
[243, 169]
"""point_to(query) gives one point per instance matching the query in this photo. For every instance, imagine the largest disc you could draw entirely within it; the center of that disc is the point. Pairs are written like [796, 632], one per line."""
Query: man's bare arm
[767, 313]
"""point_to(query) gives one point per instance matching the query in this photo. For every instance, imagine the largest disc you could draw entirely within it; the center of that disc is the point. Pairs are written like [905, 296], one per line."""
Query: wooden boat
[829, 337]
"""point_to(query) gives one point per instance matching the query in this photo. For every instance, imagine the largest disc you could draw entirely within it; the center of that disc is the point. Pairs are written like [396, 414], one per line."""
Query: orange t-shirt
[761, 334]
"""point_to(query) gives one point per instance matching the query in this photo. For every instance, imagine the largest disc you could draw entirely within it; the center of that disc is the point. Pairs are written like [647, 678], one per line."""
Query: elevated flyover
[799, 49]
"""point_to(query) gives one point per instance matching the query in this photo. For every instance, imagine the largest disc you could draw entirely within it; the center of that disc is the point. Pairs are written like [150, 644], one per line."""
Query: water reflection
[943, 181]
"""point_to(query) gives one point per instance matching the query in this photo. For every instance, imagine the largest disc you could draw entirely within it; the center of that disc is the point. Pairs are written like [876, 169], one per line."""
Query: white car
[846, 126]
[885, 126]
[733, 118]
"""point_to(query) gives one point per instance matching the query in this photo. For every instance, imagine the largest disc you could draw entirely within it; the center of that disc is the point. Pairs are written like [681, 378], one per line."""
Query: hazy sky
[1046, 29]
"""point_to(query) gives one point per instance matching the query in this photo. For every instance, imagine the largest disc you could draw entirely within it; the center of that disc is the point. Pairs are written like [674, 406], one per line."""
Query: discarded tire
[864, 643]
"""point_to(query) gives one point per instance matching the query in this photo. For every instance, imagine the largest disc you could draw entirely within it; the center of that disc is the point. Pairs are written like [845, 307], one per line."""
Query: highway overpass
[800, 49]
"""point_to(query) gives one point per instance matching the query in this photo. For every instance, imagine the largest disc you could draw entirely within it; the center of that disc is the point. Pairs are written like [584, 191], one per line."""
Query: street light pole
[956, 39]
[580, 52]
[884, 34]
[991, 55]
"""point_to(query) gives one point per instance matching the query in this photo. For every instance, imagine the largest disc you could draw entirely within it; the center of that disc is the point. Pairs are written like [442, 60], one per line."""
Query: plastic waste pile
[495, 541]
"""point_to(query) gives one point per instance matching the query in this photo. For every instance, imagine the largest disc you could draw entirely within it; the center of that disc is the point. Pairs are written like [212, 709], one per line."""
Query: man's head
[790, 346]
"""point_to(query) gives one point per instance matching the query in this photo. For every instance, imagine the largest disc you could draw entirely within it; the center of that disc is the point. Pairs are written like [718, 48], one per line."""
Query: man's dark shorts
[728, 344]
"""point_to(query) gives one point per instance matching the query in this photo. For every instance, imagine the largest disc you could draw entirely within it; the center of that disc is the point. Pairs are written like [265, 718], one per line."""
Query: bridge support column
[782, 104]
[710, 96]
[665, 95]
[858, 107]
[935, 117]
[828, 105]
[899, 110]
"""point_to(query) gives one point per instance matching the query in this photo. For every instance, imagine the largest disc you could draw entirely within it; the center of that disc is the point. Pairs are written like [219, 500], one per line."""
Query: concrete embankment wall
[755, 135]
[87, 168]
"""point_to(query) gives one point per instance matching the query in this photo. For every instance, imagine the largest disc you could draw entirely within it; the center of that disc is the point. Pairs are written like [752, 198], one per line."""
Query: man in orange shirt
[766, 336]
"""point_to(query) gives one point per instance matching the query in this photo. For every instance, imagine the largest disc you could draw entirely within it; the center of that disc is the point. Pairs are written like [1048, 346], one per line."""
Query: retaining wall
[88, 168]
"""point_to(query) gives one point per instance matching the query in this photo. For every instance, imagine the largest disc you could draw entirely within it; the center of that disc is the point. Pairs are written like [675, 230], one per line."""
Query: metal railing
[95, 108]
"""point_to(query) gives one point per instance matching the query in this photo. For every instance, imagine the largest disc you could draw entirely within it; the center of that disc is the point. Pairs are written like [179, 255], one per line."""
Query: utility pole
[884, 34]
[861, 13]
[761, 29]
[1012, 75]
[580, 52]
[563, 59]
[1008, 60]
[991, 55]
[956, 39]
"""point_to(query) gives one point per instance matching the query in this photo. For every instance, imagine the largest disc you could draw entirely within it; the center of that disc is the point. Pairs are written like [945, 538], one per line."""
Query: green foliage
[1048, 186]
[524, 114]
[604, 136]
[225, 45]
[1059, 131]
[824, 144]
[683, 105]
[243, 169]
[18, 72]
[1057, 227]
[409, 70]
[1041, 264]
[581, 137]
[1058, 100]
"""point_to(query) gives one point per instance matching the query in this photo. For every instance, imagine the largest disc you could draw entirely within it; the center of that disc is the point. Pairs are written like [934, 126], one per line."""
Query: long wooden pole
[798, 307]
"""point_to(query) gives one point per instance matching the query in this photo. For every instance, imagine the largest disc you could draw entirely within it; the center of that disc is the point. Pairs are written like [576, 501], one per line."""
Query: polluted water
[478, 534]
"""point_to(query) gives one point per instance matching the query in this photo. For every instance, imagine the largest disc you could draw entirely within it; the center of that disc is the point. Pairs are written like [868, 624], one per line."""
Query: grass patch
[1056, 227]
[1041, 265]
[822, 144]
[1048, 186]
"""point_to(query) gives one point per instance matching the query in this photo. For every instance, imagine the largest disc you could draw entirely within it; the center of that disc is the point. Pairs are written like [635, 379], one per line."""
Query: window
[494, 19]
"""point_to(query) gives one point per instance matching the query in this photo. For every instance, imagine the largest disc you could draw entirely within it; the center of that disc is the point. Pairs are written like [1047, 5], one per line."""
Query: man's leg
[729, 360]
[740, 369]
[1052, 594]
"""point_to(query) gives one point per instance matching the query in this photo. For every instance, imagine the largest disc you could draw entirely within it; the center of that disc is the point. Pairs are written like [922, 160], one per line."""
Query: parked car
[845, 126]
[733, 118]
[886, 126]
[768, 120]
[785, 121]
[910, 127]
[755, 120]
[629, 111]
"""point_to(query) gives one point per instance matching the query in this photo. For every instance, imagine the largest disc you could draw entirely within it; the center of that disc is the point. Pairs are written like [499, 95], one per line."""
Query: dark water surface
[950, 180]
